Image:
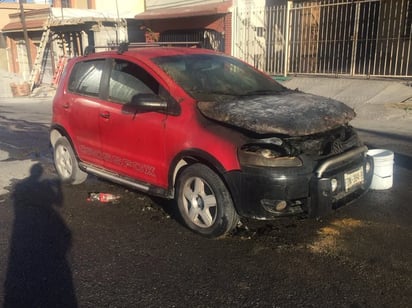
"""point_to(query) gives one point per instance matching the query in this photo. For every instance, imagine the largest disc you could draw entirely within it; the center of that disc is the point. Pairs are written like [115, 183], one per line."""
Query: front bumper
[268, 193]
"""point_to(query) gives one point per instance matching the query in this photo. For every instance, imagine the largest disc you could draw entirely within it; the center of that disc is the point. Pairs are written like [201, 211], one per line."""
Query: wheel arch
[191, 156]
[56, 132]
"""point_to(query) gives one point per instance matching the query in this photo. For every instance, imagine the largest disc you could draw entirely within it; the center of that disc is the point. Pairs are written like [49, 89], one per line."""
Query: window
[407, 26]
[127, 80]
[85, 77]
[203, 76]
[66, 3]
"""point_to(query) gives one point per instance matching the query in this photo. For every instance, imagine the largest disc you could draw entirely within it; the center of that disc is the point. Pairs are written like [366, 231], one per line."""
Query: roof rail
[125, 46]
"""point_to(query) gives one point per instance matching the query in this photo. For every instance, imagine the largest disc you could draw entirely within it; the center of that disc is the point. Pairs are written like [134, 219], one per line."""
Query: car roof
[147, 53]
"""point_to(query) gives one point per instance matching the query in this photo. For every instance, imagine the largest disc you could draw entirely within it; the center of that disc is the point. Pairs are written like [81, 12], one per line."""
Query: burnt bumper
[268, 193]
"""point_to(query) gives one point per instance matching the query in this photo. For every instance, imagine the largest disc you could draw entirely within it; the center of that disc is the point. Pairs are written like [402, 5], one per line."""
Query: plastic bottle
[103, 197]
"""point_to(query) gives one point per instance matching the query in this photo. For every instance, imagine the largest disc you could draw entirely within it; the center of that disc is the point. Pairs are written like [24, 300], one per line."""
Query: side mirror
[147, 103]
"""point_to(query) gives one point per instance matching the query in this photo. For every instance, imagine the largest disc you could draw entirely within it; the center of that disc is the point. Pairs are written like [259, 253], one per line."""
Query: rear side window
[85, 77]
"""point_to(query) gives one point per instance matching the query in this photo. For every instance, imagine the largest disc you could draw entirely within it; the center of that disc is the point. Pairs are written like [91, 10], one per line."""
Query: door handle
[105, 115]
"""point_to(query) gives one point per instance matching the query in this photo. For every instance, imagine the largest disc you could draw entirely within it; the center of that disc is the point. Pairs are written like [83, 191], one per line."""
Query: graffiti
[119, 161]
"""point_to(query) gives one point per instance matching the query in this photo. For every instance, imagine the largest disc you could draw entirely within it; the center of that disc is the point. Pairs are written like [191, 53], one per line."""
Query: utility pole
[26, 37]
[117, 23]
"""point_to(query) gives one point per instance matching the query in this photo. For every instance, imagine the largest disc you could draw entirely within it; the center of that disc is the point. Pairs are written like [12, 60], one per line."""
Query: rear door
[133, 144]
[83, 105]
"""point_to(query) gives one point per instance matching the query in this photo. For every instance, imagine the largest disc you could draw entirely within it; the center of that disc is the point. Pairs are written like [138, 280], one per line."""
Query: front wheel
[204, 201]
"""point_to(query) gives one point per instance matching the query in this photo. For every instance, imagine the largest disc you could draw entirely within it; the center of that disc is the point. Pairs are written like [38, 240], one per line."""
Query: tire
[204, 202]
[66, 163]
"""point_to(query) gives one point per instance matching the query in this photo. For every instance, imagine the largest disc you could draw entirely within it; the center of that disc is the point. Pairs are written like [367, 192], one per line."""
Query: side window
[127, 80]
[85, 77]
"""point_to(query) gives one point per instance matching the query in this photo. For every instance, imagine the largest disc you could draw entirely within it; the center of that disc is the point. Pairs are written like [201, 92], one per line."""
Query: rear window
[85, 77]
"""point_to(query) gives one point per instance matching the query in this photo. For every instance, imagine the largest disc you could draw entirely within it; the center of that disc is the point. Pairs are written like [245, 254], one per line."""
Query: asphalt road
[59, 250]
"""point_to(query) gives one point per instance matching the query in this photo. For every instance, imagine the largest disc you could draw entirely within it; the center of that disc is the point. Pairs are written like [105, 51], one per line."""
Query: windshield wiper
[205, 92]
[260, 92]
[222, 93]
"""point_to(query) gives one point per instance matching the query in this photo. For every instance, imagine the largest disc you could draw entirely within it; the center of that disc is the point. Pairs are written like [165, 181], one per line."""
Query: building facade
[207, 22]
[364, 38]
[62, 30]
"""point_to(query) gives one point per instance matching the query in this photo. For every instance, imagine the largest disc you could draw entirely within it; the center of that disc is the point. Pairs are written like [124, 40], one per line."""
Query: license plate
[353, 179]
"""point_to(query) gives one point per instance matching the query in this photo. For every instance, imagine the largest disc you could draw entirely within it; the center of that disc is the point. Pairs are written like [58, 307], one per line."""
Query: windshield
[204, 76]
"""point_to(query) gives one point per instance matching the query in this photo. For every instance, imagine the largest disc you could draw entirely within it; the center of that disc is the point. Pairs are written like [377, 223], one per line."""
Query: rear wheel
[66, 163]
[204, 201]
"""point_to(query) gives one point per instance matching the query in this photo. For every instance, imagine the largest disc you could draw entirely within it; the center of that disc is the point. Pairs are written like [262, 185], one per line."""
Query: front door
[132, 143]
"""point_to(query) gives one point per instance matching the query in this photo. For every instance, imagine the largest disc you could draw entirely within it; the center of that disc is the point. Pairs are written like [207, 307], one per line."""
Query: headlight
[333, 184]
[253, 155]
[266, 153]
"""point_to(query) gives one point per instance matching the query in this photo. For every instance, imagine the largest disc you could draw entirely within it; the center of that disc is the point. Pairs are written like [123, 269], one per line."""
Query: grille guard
[339, 159]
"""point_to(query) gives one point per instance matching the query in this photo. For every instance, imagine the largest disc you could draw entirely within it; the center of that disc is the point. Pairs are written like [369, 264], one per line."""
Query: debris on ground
[103, 197]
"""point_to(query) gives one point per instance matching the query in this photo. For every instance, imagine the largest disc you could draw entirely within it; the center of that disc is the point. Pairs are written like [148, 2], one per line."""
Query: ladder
[60, 67]
[37, 66]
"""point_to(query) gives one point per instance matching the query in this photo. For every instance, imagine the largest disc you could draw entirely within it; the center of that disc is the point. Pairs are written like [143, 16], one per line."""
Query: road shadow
[24, 139]
[38, 273]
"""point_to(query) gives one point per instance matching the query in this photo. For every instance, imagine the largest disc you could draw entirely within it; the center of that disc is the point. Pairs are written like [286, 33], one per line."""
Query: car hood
[290, 113]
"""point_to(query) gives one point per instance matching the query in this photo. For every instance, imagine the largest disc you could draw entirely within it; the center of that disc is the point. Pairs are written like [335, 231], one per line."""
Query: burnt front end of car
[308, 175]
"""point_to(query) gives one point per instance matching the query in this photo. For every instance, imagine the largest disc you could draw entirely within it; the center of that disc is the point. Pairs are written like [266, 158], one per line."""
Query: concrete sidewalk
[383, 107]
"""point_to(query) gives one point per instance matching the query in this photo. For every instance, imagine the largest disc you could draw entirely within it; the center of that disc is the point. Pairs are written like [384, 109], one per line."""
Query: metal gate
[335, 37]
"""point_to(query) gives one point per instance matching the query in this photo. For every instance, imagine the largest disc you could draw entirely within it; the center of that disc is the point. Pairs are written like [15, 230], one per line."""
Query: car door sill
[114, 177]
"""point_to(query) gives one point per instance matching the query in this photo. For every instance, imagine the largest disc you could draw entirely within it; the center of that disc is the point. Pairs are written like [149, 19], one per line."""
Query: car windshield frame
[207, 76]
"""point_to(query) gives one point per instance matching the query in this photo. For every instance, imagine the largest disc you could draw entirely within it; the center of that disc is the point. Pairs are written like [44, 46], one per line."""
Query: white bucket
[383, 169]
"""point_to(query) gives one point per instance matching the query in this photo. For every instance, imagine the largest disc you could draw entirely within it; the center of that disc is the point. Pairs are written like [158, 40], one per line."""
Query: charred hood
[289, 113]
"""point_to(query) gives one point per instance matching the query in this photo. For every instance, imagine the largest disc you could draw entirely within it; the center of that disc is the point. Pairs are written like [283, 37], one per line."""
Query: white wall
[40, 1]
[159, 4]
[135, 6]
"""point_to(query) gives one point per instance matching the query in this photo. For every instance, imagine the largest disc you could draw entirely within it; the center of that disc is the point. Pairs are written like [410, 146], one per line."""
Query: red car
[223, 139]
